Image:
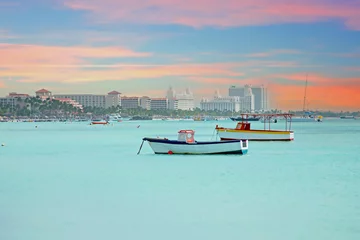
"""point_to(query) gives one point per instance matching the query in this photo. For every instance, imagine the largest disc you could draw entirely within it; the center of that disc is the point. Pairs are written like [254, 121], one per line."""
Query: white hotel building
[219, 103]
[91, 100]
[181, 101]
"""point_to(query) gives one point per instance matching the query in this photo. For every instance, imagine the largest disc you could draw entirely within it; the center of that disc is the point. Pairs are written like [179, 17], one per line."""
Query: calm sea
[75, 181]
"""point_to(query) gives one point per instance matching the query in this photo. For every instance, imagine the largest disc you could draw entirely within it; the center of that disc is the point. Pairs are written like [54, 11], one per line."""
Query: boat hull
[99, 123]
[164, 146]
[255, 135]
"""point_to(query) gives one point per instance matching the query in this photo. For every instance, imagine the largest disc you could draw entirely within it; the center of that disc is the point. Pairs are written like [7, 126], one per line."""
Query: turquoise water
[75, 181]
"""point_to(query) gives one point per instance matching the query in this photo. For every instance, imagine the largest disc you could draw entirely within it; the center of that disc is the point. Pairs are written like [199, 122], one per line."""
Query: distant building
[86, 100]
[70, 101]
[130, 102]
[18, 95]
[145, 102]
[8, 101]
[220, 103]
[159, 103]
[93, 100]
[254, 98]
[43, 94]
[248, 100]
[236, 91]
[14, 99]
[113, 99]
[185, 101]
[170, 95]
[181, 101]
[260, 98]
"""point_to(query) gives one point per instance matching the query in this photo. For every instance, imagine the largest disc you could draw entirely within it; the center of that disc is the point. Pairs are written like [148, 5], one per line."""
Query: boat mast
[305, 95]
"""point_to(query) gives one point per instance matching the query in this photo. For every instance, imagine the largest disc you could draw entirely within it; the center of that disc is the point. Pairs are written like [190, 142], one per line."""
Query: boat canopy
[186, 136]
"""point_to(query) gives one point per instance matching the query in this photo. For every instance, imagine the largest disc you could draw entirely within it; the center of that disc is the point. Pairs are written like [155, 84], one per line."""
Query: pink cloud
[21, 54]
[2, 85]
[220, 12]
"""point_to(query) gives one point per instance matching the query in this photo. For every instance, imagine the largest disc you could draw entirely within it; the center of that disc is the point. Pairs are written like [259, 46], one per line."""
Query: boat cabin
[186, 136]
[243, 126]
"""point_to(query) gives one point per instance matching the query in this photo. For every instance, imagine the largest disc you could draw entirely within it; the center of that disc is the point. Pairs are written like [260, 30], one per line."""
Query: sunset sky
[141, 47]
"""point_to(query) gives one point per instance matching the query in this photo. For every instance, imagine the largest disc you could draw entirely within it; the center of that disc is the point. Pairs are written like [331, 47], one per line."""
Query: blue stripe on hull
[242, 152]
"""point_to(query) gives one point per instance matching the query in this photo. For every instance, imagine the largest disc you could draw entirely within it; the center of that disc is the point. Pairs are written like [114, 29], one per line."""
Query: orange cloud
[323, 93]
[125, 72]
[220, 12]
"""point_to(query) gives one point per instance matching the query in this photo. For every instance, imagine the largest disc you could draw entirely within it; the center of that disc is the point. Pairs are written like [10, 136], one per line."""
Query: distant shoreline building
[254, 98]
[112, 99]
[181, 101]
[219, 103]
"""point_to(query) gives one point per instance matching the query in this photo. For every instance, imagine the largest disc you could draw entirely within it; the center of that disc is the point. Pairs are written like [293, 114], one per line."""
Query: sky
[142, 47]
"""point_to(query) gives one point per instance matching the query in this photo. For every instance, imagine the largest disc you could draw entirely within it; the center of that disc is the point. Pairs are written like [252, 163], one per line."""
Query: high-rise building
[113, 99]
[145, 102]
[260, 98]
[236, 91]
[180, 101]
[91, 100]
[159, 103]
[86, 100]
[130, 102]
[184, 101]
[248, 100]
[219, 103]
[170, 95]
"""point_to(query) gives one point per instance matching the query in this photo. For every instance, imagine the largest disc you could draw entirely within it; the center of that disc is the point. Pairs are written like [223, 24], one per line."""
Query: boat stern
[244, 146]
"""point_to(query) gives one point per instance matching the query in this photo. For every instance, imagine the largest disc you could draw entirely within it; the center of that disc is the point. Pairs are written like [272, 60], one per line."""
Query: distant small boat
[99, 122]
[141, 118]
[347, 117]
[186, 144]
[252, 119]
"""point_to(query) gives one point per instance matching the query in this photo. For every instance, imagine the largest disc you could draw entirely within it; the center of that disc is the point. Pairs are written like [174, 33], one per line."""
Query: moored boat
[347, 117]
[252, 119]
[99, 122]
[244, 131]
[186, 144]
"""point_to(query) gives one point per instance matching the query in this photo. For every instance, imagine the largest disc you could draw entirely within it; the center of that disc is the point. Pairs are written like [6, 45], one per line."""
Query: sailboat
[307, 116]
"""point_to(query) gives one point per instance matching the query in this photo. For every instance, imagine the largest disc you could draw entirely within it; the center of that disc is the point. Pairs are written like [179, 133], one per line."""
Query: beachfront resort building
[159, 103]
[255, 98]
[93, 100]
[145, 102]
[69, 101]
[113, 99]
[43, 94]
[14, 99]
[181, 101]
[219, 103]
[130, 102]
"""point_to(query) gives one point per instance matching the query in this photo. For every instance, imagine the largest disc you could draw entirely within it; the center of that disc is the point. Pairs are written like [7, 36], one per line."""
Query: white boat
[244, 131]
[186, 144]
[115, 118]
